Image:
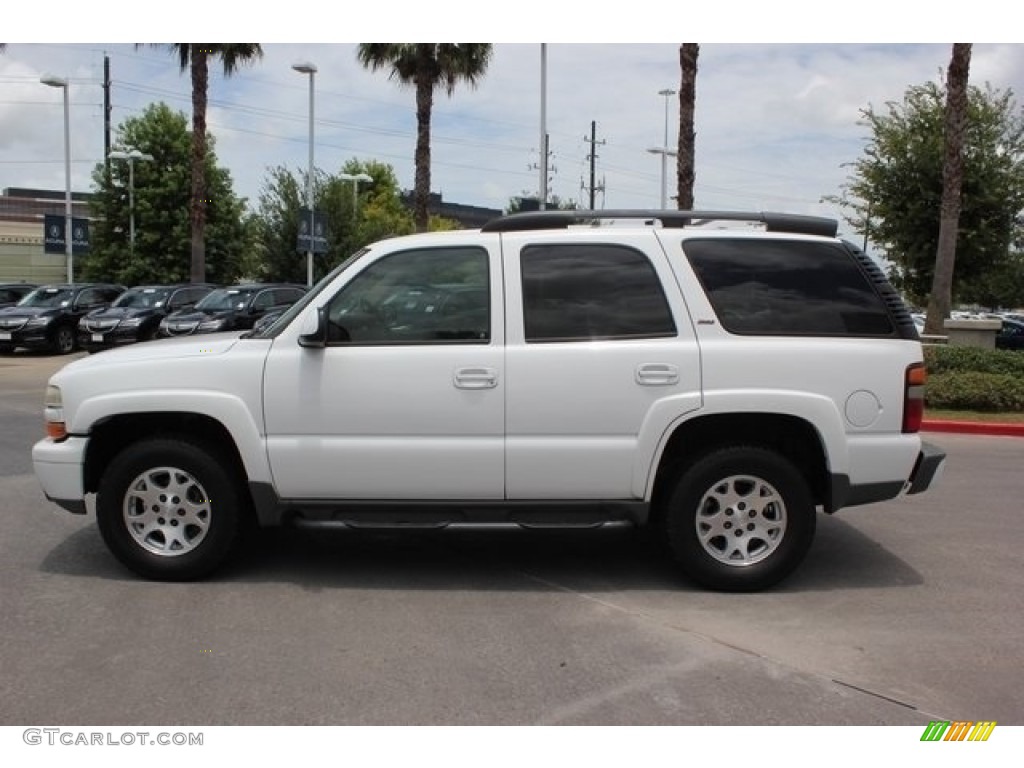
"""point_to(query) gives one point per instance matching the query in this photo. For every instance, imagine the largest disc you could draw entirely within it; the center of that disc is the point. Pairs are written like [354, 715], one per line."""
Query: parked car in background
[136, 314]
[47, 318]
[234, 308]
[1011, 335]
[12, 293]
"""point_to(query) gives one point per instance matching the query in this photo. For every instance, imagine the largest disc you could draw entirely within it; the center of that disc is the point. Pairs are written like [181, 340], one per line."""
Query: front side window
[90, 297]
[263, 301]
[787, 288]
[586, 292]
[430, 295]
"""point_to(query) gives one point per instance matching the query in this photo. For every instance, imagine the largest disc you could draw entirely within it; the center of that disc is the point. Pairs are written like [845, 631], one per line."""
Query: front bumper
[30, 338]
[931, 462]
[59, 466]
[107, 339]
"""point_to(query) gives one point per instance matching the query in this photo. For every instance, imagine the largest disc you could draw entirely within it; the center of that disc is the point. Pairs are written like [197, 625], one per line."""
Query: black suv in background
[136, 314]
[47, 319]
[235, 308]
[12, 293]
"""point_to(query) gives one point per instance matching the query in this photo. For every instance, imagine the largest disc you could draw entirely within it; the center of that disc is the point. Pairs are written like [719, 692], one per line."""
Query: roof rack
[774, 222]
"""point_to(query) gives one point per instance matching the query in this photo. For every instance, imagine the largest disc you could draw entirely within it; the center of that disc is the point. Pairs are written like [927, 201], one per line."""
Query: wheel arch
[793, 437]
[110, 435]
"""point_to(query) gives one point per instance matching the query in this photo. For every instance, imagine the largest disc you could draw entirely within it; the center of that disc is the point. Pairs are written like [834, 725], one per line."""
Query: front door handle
[657, 374]
[476, 378]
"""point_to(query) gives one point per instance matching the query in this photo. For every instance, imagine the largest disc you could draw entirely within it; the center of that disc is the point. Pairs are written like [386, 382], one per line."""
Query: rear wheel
[740, 519]
[169, 509]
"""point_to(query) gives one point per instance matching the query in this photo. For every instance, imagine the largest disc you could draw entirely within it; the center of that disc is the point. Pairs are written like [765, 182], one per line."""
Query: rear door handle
[476, 378]
[657, 375]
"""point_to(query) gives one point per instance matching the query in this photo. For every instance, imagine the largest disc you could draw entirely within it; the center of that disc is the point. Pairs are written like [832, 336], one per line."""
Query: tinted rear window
[584, 292]
[787, 287]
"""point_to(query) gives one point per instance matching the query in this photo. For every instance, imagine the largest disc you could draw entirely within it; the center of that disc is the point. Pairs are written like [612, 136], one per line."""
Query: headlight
[212, 325]
[131, 322]
[53, 413]
[38, 322]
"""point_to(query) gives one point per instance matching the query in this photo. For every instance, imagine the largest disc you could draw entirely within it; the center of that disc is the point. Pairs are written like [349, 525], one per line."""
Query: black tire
[64, 341]
[6, 349]
[740, 519]
[195, 508]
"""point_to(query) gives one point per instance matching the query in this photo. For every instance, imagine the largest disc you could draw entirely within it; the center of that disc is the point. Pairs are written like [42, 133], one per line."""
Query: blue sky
[776, 120]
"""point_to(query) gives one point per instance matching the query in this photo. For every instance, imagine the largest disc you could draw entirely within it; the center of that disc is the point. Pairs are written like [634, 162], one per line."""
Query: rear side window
[787, 287]
[585, 292]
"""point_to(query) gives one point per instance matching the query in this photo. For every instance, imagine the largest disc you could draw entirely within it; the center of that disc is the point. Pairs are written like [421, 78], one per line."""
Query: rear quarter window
[787, 287]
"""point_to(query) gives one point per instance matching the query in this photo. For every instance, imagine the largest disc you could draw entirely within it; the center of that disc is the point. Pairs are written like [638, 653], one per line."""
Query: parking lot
[904, 612]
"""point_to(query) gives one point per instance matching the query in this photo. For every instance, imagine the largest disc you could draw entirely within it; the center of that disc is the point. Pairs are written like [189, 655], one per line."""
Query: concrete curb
[1003, 429]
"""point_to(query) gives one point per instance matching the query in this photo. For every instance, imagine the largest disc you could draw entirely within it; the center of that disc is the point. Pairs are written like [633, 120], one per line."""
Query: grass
[1010, 417]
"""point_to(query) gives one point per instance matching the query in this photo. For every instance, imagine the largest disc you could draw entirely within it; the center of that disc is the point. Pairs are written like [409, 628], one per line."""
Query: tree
[351, 224]
[554, 203]
[685, 168]
[161, 198]
[426, 66]
[195, 57]
[941, 297]
[894, 191]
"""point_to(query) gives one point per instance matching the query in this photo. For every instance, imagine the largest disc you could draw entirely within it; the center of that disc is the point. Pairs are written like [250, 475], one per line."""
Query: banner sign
[310, 221]
[53, 234]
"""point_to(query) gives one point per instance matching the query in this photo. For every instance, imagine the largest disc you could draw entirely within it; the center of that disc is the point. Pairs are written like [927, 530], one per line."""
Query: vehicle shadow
[509, 559]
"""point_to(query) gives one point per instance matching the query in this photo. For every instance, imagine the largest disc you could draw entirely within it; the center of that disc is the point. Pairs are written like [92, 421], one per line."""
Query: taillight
[913, 397]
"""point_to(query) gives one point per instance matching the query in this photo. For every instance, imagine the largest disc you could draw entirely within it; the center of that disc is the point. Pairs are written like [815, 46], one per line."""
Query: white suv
[719, 383]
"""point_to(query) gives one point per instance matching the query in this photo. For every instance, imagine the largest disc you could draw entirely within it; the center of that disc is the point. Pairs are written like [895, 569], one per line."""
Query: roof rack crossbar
[774, 222]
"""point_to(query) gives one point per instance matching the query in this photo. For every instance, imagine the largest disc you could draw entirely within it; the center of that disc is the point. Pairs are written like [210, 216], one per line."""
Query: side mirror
[314, 329]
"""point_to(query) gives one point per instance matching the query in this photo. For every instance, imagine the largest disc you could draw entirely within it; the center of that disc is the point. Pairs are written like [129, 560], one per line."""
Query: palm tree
[685, 170]
[941, 298]
[426, 66]
[195, 57]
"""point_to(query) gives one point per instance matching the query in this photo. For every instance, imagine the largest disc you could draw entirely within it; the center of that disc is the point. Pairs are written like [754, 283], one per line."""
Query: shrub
[975, 390]
[945, 359]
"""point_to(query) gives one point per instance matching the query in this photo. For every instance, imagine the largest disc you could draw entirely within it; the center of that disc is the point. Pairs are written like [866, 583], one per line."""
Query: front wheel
[64, 340]
[740, 519]
[169, 509]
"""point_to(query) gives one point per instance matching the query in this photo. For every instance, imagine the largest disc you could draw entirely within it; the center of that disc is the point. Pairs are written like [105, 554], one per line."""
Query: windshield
[271, 330]
[47, 297]
[142, 298]
[226, 298]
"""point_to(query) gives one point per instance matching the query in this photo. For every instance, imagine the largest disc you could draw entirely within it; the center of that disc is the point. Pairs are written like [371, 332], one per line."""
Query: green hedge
[974, 391]
[973, 379]
[945, 359]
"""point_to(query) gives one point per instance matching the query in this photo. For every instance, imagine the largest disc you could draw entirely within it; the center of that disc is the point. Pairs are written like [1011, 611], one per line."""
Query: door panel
[410, 404]
[603, 338]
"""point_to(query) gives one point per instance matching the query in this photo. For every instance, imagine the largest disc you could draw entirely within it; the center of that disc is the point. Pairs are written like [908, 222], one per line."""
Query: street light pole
[355, 178]
[131, 156]
[308, 68]
[664, 149]
[61, 82]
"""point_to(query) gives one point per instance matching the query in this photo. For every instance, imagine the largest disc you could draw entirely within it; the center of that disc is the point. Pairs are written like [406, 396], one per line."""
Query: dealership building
[22, 256]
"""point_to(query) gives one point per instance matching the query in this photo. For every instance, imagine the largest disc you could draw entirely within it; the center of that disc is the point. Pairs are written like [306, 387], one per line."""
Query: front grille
[99, 325]
[181, 329]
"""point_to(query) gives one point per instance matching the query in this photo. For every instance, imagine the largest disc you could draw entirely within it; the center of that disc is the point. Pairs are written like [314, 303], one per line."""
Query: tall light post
[61, 82]
[131, 156]
[664, 149]
[308, 68]
[355, 179]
